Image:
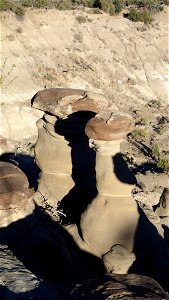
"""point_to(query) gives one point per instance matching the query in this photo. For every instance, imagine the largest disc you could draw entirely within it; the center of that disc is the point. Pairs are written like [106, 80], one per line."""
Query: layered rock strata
[15, 196]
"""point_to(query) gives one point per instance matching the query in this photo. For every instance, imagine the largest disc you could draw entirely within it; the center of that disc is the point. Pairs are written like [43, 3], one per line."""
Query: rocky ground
[126, 61]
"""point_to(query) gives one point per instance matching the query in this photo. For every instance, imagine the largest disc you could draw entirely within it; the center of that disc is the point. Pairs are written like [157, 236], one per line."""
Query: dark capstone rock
[62, 102]
[108, 126]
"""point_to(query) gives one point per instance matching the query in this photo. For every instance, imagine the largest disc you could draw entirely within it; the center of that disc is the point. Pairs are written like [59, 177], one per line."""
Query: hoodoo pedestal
[110, 221]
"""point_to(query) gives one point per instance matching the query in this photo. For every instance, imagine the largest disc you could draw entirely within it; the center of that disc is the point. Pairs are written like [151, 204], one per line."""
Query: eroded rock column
[53, 156]
[110, 221]
[62, 151]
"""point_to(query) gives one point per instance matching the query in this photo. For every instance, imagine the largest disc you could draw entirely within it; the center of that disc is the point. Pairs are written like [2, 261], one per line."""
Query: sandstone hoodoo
[116, 210]
[15, 197]
[62, 151]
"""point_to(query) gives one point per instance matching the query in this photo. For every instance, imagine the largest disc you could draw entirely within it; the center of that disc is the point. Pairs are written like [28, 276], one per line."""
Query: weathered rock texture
[125, 287]
[18, 283]
[15, 197]
[62, 102]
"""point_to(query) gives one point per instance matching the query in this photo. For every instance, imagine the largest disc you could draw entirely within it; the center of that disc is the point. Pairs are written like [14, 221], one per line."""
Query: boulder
[15, 196]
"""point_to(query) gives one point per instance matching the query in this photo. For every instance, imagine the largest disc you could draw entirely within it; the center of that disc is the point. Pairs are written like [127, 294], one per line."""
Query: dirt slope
[127, 61]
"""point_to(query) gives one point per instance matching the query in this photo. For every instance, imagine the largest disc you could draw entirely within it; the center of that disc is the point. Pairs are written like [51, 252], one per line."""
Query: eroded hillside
[126, 61]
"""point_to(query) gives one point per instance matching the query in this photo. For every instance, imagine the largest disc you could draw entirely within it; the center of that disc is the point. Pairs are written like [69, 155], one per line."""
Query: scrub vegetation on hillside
[138, 10]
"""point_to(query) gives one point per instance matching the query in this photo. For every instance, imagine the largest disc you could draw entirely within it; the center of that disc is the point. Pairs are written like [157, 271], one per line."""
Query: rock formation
[122, 287]
[62, 150]
[15, 197]
[84, 176]
[116, 211]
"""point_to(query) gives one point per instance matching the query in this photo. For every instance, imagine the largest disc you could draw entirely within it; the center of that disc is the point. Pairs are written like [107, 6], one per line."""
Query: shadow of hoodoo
[48, 250]
[83, 166]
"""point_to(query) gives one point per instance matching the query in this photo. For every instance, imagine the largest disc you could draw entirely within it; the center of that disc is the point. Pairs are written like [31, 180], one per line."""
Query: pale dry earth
[126, 61]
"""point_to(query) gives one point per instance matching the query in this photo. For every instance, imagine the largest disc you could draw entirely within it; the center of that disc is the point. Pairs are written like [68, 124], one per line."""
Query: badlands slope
[49, 48]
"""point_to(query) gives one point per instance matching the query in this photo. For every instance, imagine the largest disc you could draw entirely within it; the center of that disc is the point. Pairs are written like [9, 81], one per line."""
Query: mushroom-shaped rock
[108, 126]
[62, 102]
[15, 197]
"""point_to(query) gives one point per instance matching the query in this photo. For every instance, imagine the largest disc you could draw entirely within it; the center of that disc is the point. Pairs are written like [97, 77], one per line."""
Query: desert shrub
[151, 5]
[49, 77]
[81, 19]
[108, 6]
[136, 15]
[27, 3]
[87, 3]
[13, 6]
[96, 10]
[118, 4]
[40, 3]
[64, 5]
[163, 164]
[20, 12]
[139, 134]
[155, 152]
[4, 5]
[154, 103]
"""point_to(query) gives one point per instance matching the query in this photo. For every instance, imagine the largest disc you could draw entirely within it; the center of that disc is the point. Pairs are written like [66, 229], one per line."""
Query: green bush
[107, 6]
[163, 164]
[87, 3]
[17, 9]
[27, 3]
[13, 6]
[96, 10]
[4, 5]
[64, 5]
[40, 3]
[81, 19]
[139, 134]
[20, 12]
[156, 152]
[136, 15]
[48, 77]
[118, 5]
